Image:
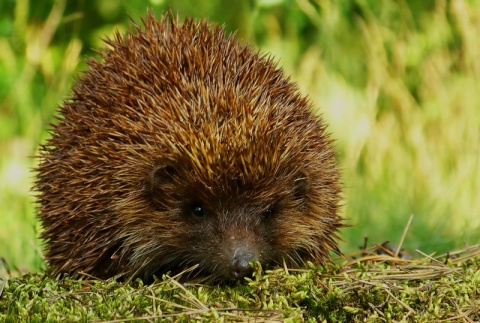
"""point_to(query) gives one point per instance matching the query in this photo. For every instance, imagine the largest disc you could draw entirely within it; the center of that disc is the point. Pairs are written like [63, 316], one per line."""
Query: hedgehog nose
[240, 265]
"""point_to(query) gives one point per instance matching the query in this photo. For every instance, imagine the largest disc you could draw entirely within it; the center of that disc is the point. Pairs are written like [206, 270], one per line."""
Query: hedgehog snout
[240, 262]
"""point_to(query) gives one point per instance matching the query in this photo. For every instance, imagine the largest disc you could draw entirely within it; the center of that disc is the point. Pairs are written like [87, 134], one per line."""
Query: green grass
[398, 85]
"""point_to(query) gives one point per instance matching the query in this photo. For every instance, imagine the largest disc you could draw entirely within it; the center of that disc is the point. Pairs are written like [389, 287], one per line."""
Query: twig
[405, 230]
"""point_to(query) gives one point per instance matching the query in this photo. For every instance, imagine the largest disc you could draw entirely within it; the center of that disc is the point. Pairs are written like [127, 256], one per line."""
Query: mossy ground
[371, 287]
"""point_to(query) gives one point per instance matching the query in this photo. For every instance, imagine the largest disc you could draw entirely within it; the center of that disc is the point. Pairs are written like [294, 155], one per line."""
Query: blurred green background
[397, 81]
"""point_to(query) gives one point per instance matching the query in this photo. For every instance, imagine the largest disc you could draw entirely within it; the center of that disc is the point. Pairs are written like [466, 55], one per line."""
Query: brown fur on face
[185, 147]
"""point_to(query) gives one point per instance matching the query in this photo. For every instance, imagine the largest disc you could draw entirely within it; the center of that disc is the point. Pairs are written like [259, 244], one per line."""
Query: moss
[362, 290]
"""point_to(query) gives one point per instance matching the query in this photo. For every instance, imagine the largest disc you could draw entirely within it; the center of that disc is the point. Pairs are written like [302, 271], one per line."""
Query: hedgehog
[182, 147]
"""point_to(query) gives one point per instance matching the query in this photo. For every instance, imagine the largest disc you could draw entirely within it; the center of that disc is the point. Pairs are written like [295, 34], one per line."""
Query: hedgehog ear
[159, 183]
[162, 174]
[302, 184]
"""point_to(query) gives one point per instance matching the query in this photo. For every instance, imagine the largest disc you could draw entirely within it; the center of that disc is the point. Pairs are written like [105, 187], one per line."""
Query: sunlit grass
[399, 88]
[39, 74]
[409, 135]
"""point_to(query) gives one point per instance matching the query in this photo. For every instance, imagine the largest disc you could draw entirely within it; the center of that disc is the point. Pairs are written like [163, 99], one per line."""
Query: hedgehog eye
[198, 210]
[268, 213]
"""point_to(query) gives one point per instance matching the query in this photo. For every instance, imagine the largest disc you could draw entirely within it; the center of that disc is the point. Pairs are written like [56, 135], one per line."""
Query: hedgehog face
[223, 226]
